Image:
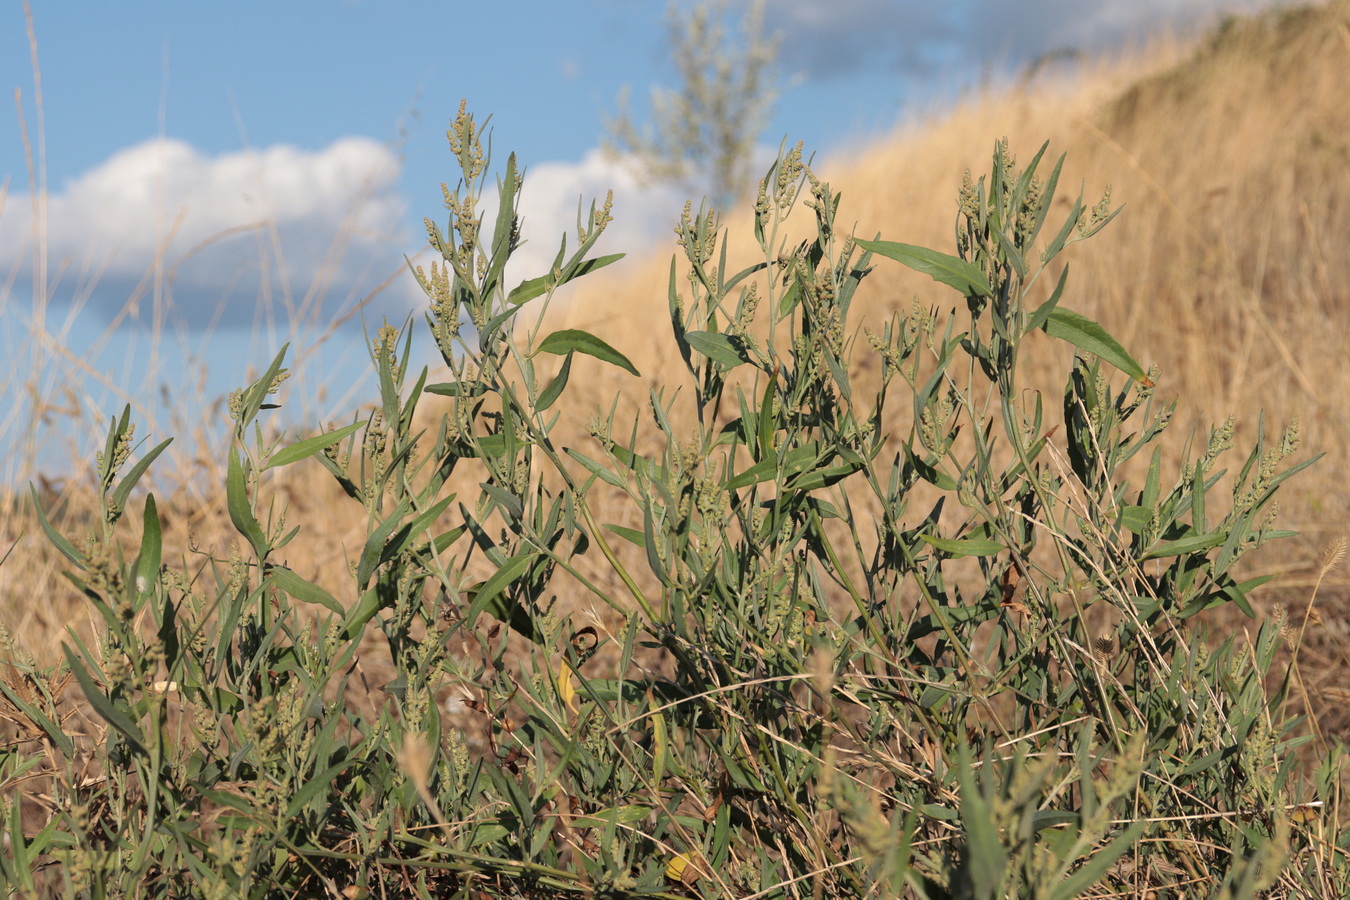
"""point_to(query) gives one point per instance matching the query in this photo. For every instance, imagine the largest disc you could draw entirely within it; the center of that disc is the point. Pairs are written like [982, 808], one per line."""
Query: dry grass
[1226, 269]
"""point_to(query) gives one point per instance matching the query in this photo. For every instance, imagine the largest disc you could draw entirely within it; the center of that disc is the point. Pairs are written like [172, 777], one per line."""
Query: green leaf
[764, 470]
[1090, 337]
[123, 490]
[1195, 543]
[511, 570]
[308, 447]
[528, 290]
[17, 867]
[764, 431]
[599, 470]
[367, 605]
[573, 339]
[928, 472]
[794, 462]
[649, 539]
[967, 547]
[1198, 486]
[631, 535]
[718, 347]
[236, 500]
[819, 478]
[372, 554]
[388, 548]
[58, 540]
[455, 389]
[321, 782]
[941, 813]
[254, 396]
[102, 705]
[152, 545]
[501, 231]
[302, 590]
[1135, 518]
[550, 394]
[1045, 309]
[1077, 884]
[537, 287]
[490, 445]
[986, 858]
[949, 270]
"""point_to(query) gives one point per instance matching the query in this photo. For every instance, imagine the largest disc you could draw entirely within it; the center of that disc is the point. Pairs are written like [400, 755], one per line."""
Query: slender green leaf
[820, 478]
[603, 473]
[537, 287]
[302, 590]
[649, 539]
[1136, 518]
[508, 572]
[236, 500]
[1045, 309]
[967, 547]
[373, 551]
[1195, 543]
[1092, 871]
[573, 339]
[1090, 337]
[18, 854]
[985, 855]
[104, 706]
[550, 394]
[765, 425]
[321, 782]
[632, 535]
[455, 389]
[367, 605]
[308, 447]
[64, 742]
[941, 267]
[133, 476]
[255, 394]
[764, 470]
[58, 540]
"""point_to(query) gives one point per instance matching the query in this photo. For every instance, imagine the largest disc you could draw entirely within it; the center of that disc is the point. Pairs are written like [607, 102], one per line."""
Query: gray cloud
[916, 39]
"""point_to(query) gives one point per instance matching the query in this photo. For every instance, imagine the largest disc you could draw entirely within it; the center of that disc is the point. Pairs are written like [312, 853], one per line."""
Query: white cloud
[315, 229]
[246, 237]
[644, 214]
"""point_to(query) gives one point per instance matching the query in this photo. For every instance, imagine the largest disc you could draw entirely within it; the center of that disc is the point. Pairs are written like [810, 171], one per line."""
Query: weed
[924, 638]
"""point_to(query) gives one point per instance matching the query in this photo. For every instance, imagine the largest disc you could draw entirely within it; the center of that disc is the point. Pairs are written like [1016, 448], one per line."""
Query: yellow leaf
[679, 869]
[567, 689]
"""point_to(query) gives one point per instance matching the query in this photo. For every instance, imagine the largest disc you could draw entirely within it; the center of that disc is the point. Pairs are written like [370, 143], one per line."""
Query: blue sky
[206, 163]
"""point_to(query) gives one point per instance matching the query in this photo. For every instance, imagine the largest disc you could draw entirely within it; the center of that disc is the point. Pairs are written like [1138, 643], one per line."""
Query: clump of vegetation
[928, 639]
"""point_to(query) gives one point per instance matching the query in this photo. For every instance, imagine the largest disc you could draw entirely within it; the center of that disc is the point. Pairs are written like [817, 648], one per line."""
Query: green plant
[852, 655]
